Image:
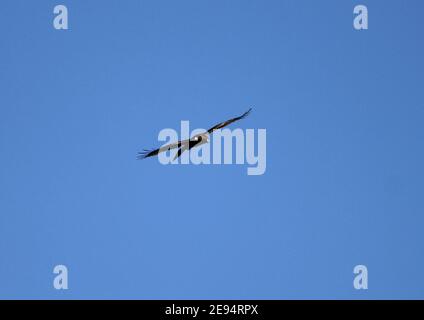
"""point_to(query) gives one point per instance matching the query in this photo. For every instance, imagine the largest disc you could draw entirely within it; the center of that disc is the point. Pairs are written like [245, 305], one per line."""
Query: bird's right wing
[226, 123]
[150, 153]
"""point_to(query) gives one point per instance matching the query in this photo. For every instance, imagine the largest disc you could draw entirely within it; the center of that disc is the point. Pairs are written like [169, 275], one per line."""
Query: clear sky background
[343, 110]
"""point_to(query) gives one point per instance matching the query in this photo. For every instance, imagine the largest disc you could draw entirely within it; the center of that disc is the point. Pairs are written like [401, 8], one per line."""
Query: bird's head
[202, 137]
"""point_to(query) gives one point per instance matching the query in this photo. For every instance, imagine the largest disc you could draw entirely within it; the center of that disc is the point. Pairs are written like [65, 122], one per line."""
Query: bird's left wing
[226, 123]
[150, 153]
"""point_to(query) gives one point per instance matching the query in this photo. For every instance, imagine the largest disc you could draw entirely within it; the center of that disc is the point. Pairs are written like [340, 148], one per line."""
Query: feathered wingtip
[244, 115]
[143, 154]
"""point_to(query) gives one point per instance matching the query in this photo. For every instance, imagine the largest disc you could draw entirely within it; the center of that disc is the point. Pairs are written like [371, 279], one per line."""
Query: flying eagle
[187, 144]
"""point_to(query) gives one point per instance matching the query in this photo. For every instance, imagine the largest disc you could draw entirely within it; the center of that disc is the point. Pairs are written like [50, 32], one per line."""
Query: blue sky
[343, 110]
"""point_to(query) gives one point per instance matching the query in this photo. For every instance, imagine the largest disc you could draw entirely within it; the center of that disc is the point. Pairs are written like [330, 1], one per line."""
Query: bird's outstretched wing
[226, 123]
[150, 153]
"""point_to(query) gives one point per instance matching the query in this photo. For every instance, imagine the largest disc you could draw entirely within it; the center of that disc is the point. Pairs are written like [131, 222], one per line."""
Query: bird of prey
[188, 144]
